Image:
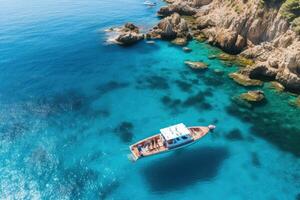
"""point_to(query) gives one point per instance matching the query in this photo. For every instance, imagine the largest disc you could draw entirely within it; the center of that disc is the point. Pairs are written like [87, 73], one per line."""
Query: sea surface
[71, 103]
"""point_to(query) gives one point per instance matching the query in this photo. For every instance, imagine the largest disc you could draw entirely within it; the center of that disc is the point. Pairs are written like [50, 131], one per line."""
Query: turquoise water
[65, 95]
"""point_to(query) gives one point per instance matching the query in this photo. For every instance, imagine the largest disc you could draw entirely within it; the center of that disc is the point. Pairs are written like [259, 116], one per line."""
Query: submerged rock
[238, 60]
[184, 86]
[153, 82]
[277, 86]
[196, 65]
[253, 96]
[240, 102]
[234, 134]
[200, 37]
[295, 102]
[245, 80]
[180, 41]
[124, 130]
[270, 122]
[226, 57]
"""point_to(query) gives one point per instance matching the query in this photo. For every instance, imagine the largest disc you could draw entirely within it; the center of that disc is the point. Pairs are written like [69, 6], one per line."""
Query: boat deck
[150, 146]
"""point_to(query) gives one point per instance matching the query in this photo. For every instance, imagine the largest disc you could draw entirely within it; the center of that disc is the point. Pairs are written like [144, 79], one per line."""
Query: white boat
[150, 42]
[170, 138]
[149, 3]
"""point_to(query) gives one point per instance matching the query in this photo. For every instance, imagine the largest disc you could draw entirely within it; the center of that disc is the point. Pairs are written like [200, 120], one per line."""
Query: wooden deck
[150, 146]
[154, 144]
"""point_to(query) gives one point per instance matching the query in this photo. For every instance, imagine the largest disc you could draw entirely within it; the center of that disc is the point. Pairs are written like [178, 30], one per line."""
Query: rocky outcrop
[196, 65]
[277, 60]
[276, 86]
[126, 35]
[244, 80]
[180, 41]
[228, 40]
[253, 96]
[129, 38]
[259, 71]
[235, 25]
[170, 28]
[237, 60]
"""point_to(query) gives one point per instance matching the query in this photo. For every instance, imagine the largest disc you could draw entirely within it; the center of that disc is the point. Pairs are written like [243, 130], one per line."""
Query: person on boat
[152, 144]
[139, 147]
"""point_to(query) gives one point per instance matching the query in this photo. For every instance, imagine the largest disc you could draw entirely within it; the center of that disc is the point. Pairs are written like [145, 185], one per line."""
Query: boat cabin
[176, 135]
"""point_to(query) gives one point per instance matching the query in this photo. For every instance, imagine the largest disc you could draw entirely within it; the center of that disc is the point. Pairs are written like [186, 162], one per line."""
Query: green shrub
[290, 9]
[296, 25]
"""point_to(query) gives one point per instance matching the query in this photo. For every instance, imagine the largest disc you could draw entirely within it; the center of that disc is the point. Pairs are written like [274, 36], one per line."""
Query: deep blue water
[65, 93]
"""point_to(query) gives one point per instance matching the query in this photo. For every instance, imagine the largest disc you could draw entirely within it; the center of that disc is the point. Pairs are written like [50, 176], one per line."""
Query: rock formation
[276, 86]
[169, 28]
[244, 79]
[253, 96]
[277, 60]
[127, 35]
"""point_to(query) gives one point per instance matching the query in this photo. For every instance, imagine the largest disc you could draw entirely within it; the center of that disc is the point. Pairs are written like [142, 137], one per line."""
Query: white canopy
[175, 131]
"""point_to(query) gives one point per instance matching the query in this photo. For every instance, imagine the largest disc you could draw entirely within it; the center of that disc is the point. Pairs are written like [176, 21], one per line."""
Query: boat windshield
[184, 137]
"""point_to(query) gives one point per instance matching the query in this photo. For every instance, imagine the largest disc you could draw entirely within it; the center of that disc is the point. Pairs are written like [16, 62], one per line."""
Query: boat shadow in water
[184, 168]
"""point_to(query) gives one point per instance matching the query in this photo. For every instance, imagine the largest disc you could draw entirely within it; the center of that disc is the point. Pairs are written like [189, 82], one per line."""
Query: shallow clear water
[65, 93]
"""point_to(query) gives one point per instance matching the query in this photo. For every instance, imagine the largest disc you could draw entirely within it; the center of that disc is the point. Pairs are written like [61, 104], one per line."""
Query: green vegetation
[296, 25]
[290, 10]
[270, 2]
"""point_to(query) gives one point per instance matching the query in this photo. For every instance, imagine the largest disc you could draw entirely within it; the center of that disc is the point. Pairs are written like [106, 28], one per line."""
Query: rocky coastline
[247, 29]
